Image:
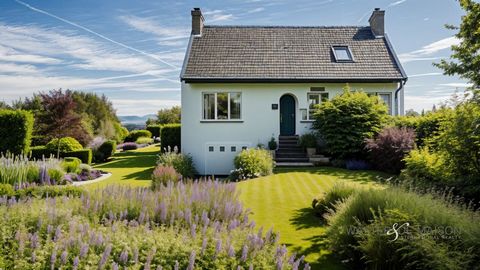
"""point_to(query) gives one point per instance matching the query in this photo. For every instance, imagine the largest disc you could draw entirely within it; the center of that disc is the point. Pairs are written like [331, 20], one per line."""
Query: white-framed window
[222, 106]
[387, 99]
[314, 98]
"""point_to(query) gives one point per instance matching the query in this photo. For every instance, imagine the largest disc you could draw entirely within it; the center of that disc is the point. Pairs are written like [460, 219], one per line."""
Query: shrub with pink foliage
[162, 175]
[388, 149]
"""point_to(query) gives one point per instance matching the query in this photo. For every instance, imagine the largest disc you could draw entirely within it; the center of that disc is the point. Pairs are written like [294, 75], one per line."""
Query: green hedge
[135, 134]
[105, 151]
[155, 130]
[40, 152]
[85, 155]
[16, 131]
[170, 136]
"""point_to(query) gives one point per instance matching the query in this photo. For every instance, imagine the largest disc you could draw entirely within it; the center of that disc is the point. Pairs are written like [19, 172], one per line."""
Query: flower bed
[194, 225]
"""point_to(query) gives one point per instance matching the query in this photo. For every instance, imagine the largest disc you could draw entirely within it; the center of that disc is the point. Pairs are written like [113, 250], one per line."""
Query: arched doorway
[287, 115]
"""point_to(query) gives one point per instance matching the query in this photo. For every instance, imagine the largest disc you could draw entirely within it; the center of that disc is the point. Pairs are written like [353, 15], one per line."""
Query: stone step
[294, 164]
[291, 159]
[292, 143]
[292, 155]
[290, 149]
[288, 137]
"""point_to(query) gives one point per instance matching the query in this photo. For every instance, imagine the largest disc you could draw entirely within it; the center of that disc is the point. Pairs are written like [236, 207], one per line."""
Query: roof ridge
[286, 26]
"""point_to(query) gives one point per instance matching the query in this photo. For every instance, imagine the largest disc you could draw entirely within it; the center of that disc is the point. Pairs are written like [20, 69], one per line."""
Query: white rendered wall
[258, 124]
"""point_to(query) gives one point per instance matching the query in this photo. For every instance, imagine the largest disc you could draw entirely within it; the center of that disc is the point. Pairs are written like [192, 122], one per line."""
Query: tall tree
[466, 56]
[169, 116]
[58, 117]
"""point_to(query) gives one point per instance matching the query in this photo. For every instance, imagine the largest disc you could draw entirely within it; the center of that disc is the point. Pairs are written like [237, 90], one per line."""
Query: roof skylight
[342, 54]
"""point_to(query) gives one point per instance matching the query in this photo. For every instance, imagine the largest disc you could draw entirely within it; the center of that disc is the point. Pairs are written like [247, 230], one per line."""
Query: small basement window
[342, 54]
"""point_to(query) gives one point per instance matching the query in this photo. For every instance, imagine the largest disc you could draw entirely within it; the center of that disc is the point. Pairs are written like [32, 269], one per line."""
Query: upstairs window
[222, 106]
[342, 54]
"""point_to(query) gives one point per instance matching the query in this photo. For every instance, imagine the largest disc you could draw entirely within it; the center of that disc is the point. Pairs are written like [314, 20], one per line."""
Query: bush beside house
[170, 136]
[252, 163]
[16, 128]
[363, 115]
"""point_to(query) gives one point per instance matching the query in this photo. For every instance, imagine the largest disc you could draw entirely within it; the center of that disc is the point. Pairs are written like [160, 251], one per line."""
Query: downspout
[397, 105]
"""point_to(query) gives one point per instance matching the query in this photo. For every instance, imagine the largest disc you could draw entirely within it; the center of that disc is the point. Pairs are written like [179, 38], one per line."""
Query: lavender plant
[195, 225]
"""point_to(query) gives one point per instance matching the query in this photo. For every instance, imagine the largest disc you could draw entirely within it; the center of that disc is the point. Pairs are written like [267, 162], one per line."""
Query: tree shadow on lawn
[140, 175]
[361, 176]
[133, 160]
[305, 218]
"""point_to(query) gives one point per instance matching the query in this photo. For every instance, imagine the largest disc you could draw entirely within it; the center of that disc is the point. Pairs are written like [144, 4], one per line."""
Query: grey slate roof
[255, 53]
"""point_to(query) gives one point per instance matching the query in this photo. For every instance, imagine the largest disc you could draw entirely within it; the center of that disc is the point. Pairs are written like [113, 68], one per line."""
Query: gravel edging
[101, 178]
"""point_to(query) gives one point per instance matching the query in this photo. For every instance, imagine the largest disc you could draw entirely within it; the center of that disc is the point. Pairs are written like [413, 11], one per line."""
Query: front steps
[290, 153]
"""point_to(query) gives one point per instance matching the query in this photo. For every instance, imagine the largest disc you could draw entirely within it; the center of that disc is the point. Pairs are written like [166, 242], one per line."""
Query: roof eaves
[187, 56]
[284, 80]
[395, 57]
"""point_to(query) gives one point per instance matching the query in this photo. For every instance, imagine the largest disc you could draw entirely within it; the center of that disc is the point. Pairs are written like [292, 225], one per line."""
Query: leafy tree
[347, 120]
[411, 112]
[169, 116]
[58, 118]
[98, 114]
[459, 140]
[466, 57]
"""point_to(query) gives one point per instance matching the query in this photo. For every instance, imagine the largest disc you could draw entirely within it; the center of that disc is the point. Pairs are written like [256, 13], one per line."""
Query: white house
[241, 85]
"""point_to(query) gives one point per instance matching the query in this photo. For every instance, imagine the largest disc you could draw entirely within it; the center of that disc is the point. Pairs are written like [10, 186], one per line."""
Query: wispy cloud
[426, 52]
[396, 3]
[142, 106]
[256, 10]
[218, 15]
[155, 57]
[457, 85]
[163, 34]
[33, 44]
[425, 74]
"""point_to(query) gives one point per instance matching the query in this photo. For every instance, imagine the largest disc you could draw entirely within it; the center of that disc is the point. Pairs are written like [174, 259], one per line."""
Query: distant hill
[135, 119]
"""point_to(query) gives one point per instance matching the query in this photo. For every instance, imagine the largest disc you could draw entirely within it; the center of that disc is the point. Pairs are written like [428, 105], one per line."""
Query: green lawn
[132, 167]
[283, 201]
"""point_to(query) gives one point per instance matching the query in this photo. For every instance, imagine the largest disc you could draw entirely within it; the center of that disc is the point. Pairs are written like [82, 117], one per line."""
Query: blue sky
[132, 51]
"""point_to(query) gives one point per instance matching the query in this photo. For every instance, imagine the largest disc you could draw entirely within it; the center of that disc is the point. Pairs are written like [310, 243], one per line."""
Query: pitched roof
[277, 53]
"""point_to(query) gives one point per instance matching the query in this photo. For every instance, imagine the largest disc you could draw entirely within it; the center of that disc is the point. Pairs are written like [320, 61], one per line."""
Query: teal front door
[287, 115]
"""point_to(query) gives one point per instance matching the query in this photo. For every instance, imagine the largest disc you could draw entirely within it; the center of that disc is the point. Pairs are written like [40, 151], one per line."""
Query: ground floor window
[387, 98]
[313, 100]
[222, 106]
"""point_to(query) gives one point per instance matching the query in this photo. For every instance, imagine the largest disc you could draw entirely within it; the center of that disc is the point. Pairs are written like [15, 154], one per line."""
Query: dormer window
[342, 54]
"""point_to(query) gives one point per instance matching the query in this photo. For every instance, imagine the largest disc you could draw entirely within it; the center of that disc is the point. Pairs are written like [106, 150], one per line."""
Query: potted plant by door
[309, 142]
[272, 145]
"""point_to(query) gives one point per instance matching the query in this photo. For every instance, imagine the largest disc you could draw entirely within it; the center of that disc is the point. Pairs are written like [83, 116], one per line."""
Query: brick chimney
[377, 22]
[197, 21]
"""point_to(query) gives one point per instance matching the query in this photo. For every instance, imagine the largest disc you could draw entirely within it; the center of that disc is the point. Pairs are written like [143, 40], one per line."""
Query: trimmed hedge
[40, 152]
[155, 130]
[170, 136]
[105, 151]
[16, 131]
[135, 134]
[85, 155]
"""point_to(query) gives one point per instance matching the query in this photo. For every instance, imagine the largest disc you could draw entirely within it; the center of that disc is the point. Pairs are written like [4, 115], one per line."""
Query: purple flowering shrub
[127, 146]
[390, 147]
[194, 225]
